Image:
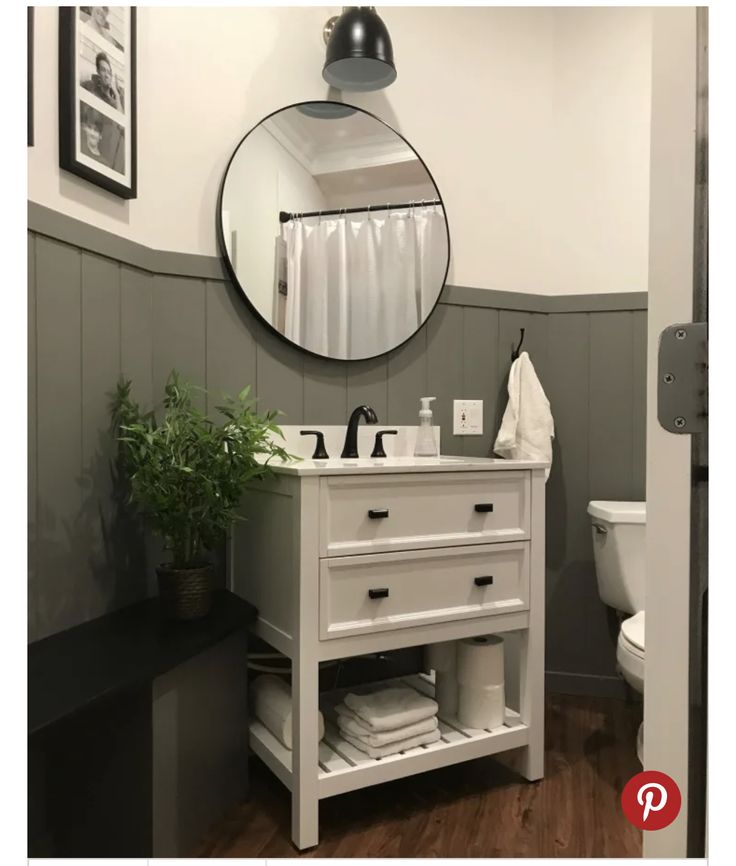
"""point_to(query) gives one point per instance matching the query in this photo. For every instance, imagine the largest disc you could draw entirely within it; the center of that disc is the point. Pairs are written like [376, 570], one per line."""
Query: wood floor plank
[475, 809]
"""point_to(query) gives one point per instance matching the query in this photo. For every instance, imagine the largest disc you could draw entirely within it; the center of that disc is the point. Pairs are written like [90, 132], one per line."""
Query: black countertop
[70, 670]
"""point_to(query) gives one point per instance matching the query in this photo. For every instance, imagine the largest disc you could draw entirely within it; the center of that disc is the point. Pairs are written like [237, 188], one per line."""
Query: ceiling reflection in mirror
[334, 230]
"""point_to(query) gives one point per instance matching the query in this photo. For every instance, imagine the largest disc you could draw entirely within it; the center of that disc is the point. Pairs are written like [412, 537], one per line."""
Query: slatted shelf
[343, 768]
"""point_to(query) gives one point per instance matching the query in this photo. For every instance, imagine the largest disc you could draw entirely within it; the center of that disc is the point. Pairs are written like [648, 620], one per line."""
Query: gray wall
[100, 306]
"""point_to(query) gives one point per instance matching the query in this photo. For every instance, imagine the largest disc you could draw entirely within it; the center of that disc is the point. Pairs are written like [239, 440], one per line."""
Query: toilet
[619, 532]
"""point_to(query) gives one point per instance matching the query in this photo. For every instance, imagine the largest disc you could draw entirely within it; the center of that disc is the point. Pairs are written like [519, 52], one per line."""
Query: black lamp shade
[359, 54]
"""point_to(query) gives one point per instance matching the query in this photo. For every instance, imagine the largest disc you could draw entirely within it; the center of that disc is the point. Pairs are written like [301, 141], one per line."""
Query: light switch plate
[467, 417]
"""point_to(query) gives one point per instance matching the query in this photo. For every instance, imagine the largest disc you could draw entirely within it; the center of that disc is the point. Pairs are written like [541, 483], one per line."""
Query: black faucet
[351, 437]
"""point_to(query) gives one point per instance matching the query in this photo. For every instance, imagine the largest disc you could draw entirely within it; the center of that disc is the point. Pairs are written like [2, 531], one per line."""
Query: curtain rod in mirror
[285, 216]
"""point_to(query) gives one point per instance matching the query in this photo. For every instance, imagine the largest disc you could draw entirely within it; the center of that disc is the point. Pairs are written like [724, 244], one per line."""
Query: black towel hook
[515, 352]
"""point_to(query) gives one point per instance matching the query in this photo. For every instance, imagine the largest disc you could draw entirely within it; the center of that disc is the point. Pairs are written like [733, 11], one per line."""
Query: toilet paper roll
[271, 702]
[441, 657]
[480, 661]
[445, 693]
[481, 707]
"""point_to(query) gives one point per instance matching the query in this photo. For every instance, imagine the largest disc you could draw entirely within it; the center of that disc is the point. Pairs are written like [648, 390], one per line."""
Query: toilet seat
[630, 651]
[632, 630]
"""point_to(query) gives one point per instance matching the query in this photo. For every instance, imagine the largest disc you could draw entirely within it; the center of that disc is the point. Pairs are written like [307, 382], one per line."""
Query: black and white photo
[97, 78]
[101, 75]
[106, 21]
[102, 139]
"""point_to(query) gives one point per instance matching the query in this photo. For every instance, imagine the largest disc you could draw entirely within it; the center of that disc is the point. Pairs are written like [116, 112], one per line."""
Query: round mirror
[333, 230]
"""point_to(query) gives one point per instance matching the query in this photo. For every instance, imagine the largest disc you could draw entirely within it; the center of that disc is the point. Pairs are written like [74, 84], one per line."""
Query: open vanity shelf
[344, 768]
[348, 558]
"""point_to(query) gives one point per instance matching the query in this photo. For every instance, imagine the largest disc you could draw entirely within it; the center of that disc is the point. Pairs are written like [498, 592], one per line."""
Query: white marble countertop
[399, 449]
[389, 465]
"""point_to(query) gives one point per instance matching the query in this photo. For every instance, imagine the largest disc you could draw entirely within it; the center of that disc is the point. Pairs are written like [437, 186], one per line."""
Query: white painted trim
[666, 711]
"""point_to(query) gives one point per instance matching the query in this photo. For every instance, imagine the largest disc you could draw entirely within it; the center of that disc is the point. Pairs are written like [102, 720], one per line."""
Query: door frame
[674, 640]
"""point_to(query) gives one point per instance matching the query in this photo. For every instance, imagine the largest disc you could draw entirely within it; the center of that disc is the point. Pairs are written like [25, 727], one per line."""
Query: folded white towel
[271, 699]
[527, 428]
[351, 724]
[392, 748]
[391, 708]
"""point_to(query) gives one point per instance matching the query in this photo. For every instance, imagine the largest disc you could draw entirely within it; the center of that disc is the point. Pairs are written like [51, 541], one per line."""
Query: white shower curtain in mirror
[359, 283]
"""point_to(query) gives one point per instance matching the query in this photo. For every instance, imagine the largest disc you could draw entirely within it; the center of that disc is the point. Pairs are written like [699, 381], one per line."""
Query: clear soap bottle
[426, 446]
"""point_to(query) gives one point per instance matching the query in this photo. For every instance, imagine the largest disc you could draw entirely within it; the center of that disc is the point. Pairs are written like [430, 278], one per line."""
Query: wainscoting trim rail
[72, 231]
[467, 296]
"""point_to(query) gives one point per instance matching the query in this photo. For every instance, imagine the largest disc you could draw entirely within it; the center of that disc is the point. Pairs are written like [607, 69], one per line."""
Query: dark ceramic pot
[185, 593]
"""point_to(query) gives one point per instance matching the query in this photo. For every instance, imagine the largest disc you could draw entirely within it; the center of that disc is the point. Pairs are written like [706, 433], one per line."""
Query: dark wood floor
[475, 809]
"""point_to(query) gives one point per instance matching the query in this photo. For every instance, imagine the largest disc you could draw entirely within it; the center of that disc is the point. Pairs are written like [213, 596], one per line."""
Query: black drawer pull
[484, 507]
[378, 593]
[486, 580]
[378, 513]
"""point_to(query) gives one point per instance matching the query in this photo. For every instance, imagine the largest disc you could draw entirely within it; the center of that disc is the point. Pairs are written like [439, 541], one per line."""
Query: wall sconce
[359, 51]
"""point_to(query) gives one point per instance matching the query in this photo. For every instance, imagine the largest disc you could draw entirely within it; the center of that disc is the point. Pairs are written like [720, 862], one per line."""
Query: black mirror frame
[233, 276]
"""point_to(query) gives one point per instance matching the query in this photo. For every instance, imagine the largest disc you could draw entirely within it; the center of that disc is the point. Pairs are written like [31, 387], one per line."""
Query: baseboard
[590, 685]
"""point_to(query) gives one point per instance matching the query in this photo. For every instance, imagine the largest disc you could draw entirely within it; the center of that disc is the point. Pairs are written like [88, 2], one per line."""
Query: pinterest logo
[651, 800]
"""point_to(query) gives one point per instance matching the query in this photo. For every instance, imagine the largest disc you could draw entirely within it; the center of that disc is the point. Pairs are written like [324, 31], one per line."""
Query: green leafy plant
[186, 473]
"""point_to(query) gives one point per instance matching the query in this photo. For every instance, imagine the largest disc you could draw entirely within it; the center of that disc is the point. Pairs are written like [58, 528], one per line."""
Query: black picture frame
[30, 76]
[97, 119]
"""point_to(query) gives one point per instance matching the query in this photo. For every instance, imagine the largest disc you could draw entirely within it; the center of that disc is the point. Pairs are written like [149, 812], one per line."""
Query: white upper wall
[533, 121]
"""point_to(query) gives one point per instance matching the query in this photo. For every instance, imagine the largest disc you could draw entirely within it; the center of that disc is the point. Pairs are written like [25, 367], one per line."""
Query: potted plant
[186, 476]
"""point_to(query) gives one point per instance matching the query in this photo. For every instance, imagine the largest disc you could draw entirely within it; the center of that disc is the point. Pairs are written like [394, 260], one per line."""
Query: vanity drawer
[366, 594]
[369, 513]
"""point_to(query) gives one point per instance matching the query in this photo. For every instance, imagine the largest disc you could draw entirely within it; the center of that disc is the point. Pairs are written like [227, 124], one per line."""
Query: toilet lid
[633, 630]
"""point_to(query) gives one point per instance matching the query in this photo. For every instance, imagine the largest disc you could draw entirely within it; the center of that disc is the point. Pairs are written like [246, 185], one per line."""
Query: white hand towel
[392, 748]
[391, 708]
[527, 429]
[351, 724]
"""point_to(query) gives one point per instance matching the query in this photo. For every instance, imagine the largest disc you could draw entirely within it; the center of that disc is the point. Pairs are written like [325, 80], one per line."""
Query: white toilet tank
[619, 530]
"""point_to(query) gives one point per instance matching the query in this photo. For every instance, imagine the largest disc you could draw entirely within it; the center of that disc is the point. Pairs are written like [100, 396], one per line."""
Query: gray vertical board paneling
[136, 333]
[445, 370]
[280, 376]
[206, 332]
[31, 440]
[407, 379]
[368, 385]
[610, 420]
[128, 535]
[639, 468]
[231, 349]
[59, 395]
[568, 391]
[179, 332]
[480, 373]
[325, 391]
[575, 614]
[98, 557]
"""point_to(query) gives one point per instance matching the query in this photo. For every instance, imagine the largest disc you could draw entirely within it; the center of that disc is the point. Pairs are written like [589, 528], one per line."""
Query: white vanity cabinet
[343, 559]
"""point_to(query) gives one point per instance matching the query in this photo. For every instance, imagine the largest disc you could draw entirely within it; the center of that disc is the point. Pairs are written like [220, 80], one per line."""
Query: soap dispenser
[425, 445]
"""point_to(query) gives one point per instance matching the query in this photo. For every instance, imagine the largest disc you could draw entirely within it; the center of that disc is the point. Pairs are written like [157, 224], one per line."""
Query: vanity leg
[530, 762]
[531, 651]
[305, 756]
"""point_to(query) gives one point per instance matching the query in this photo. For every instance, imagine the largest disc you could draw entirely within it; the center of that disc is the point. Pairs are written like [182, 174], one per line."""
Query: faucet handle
[320, 453]
[378, 445]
